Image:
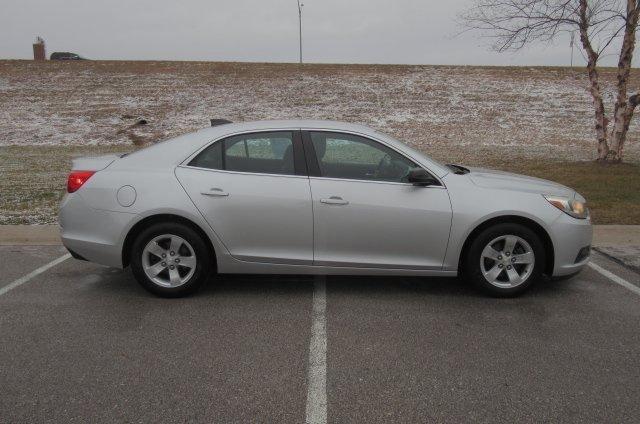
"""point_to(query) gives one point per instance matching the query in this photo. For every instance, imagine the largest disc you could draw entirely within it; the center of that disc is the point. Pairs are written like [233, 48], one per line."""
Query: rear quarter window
[210, 158]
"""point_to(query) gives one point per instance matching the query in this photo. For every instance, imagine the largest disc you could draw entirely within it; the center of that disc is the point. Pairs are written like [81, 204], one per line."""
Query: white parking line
[611, 276]
[32, 274]
[317, 374]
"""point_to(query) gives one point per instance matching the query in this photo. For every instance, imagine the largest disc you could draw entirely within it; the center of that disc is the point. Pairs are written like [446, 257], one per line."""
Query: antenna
[300, 5]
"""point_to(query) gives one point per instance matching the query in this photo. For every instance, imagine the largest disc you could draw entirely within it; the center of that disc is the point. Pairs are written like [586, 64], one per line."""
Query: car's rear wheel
[170, 259]
[504, 260]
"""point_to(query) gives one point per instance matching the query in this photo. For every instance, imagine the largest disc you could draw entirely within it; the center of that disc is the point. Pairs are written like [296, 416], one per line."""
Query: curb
[49, 235]
[30, 235]
[617, 260]
[616, 235]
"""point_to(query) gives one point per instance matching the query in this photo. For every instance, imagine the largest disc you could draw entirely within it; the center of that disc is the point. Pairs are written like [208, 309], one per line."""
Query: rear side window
[265, 153]
[211, 157]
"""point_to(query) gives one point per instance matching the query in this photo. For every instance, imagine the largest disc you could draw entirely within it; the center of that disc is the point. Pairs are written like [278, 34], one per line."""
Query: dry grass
[34, 181]
[535, 121]
[612, 191]
[518, 112]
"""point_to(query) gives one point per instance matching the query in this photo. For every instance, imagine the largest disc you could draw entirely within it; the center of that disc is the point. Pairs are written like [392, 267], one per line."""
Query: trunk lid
[93, 163]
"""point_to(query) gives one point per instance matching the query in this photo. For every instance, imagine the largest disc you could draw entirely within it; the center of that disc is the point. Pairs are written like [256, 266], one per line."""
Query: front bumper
[571, 242]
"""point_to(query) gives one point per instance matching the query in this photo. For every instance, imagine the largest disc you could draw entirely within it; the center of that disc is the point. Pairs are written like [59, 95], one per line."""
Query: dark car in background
[66, 56]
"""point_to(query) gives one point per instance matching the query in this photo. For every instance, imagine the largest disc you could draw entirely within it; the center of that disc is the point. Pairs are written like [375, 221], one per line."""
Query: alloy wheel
[507, 261]
[169, 260]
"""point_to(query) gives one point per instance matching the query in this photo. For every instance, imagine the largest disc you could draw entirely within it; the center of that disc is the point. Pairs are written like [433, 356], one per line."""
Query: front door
[366, 214]
[252, 191]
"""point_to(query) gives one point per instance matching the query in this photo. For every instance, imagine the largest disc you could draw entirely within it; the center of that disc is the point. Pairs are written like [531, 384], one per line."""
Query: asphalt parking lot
[83, 343]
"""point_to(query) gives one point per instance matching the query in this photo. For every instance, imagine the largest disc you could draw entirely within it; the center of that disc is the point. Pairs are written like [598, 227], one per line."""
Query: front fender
[472, 208]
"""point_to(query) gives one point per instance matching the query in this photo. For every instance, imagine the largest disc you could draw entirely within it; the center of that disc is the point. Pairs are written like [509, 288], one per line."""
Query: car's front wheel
[505, 259]
[170, 259]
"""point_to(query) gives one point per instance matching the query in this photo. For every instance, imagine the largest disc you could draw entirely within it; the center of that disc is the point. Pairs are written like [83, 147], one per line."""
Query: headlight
[572, 207]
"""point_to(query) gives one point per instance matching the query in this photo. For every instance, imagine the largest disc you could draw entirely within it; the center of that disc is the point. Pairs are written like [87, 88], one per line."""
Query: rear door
[365, 212]
[253, 190]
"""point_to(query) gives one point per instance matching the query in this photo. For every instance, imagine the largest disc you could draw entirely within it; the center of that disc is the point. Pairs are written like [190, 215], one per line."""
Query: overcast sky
[335, 31]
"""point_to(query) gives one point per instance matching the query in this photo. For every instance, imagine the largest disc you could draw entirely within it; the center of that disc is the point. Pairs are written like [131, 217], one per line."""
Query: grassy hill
[533, 120]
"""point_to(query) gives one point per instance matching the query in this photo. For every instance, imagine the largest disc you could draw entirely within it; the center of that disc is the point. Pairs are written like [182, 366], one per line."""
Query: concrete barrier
[603, 235]
[36, 235]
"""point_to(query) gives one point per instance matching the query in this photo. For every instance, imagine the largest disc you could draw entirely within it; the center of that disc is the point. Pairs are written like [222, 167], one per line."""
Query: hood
[490, 178]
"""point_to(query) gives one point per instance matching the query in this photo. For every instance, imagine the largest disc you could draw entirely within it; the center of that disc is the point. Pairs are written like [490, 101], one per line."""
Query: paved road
[84, 343]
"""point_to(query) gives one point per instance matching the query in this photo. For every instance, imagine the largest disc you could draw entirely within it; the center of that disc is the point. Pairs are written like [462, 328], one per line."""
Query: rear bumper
[571, 241]
[92, 234]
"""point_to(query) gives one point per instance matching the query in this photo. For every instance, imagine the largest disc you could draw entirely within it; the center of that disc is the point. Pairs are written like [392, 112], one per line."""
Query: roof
[287, 123]
[176, 150]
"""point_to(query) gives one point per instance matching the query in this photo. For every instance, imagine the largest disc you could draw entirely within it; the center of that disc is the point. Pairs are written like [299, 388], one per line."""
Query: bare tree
[513, 24]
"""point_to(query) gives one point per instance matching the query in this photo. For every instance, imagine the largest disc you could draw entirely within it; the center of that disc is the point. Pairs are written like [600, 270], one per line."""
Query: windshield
[456, 169]
[408, 147]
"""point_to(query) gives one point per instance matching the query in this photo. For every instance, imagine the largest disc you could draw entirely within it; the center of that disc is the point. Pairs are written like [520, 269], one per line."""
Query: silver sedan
[316, 197]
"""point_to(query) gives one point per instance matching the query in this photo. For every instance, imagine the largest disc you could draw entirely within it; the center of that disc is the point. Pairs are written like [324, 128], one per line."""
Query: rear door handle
[215, 192]
[334, 200]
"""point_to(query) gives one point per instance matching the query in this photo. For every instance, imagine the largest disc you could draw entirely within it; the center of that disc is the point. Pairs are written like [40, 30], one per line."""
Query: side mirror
[420, 177]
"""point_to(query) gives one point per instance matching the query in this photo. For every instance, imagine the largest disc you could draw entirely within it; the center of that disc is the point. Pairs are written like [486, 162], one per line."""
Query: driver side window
[358, 158]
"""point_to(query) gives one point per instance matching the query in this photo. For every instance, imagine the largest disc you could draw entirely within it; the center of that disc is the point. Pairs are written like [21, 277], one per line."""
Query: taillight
[77, 179]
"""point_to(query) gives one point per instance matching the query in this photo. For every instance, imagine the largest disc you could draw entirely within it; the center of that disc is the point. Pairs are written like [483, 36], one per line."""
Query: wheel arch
[513, 219]
[159, 218]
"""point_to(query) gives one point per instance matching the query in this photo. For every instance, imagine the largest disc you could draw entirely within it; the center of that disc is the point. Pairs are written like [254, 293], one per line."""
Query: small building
[39, 52]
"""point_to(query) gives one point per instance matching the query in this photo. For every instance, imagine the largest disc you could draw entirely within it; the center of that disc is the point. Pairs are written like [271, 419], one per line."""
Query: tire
[519, 276]
[176, 277]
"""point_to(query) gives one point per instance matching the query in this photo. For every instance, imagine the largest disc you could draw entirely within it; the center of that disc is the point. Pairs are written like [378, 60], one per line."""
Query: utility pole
[571, 44]
[300, 27]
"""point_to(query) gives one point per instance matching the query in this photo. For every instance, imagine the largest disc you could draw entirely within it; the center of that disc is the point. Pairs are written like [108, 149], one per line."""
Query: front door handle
[215, 192]
[334, 200]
